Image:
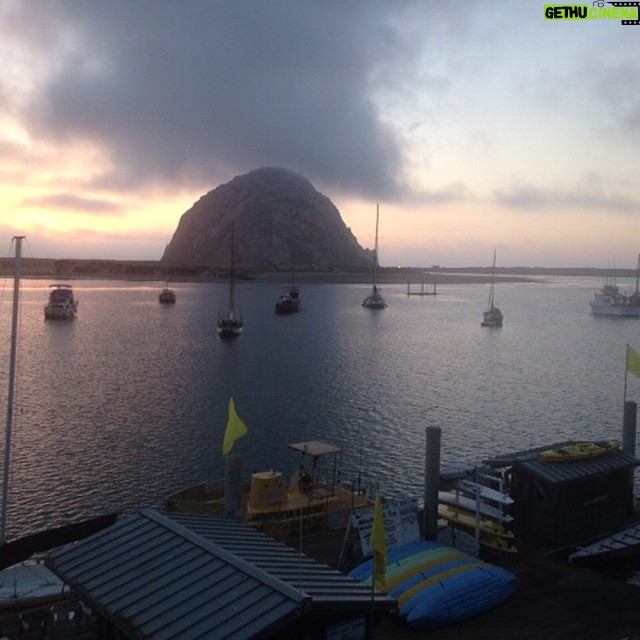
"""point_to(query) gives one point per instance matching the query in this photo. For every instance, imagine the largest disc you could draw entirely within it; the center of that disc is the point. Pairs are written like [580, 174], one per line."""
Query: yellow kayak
[466, 519]
[578, 451]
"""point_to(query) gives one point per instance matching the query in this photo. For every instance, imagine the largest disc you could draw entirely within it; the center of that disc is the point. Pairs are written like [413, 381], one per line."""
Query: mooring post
[431, 483]
[629, 423]
[629, 427]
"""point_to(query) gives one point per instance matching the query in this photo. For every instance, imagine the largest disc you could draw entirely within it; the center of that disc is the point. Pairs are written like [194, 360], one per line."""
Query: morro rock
[277, 217]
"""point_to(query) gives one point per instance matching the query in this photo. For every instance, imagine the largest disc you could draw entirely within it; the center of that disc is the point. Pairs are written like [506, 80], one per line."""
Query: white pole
[12, 371]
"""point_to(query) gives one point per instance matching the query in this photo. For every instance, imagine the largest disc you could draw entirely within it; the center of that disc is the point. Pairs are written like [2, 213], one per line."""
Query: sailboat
[492, 317]
[230, 323]
[290, 302]
[167, 295]
[375, 300]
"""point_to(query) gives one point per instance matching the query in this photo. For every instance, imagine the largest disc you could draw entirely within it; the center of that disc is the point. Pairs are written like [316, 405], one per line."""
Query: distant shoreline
[154, 270]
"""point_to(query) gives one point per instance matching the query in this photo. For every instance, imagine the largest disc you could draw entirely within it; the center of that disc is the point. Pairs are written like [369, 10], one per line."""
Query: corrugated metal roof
[328, 588]
[557, 472]
[187, 576]
[154, 578]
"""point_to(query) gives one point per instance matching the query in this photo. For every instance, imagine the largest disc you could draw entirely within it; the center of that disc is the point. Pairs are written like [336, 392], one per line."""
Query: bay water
[128, 403]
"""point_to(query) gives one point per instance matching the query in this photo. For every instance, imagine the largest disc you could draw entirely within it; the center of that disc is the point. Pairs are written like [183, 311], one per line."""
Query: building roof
[158, 575]
[328, 589]
[566, 471]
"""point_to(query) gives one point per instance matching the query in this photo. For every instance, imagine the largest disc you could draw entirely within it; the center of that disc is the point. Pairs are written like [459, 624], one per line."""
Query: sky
[474, 125]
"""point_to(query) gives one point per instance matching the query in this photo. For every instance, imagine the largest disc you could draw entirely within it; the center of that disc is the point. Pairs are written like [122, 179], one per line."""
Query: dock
[554, 600]
[421, 291]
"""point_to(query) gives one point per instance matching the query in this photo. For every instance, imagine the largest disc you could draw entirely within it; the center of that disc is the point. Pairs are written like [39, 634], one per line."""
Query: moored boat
[167, 296]
[230, 324]
[492, 317]
[375, 300]
[610, 301]
[289, 302]
[62, 304]
[307, 503]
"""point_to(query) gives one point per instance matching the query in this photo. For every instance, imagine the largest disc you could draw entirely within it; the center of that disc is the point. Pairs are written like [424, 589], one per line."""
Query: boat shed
[172, 575]
[569, 502]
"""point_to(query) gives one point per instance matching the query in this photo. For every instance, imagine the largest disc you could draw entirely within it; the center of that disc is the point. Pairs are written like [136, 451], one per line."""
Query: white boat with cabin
[62, 303]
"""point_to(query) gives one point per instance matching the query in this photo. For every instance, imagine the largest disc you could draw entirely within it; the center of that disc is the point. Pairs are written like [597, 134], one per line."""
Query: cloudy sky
[474, 124]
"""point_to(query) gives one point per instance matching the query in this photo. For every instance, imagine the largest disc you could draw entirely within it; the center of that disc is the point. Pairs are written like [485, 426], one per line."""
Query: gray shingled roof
[174, 575]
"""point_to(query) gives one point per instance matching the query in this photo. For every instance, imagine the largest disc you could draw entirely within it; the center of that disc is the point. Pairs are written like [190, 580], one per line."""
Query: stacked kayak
[437, 585]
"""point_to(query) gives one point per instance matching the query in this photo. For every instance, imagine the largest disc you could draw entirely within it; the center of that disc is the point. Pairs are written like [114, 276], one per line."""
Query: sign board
[400, 525]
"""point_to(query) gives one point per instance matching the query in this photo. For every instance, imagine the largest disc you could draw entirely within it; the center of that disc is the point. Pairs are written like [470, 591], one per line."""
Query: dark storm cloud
[193, 91]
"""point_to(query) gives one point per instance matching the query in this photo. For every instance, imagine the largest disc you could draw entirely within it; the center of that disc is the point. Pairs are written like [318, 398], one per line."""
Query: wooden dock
[554, 600]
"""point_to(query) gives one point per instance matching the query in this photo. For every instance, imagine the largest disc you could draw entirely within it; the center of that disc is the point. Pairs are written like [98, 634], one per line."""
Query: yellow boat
[279, 509]
[578, 451]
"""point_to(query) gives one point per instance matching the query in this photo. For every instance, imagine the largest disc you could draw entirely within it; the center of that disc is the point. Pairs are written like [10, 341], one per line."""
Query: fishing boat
[62, 304]
[375, 300]
[289, 302]
[609, 301]
[230, 324]
[311, 502]
[578, 451]
[492, 317]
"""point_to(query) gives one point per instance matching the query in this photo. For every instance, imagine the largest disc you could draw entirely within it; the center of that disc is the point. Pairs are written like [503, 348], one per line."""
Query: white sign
[400, 525]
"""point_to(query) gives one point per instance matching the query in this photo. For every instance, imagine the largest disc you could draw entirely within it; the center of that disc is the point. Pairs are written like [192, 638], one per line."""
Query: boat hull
[167, 296]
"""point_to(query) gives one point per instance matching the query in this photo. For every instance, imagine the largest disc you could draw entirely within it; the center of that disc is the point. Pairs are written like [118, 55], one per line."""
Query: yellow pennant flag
[235, 428]
[633, 361]
[379, 546]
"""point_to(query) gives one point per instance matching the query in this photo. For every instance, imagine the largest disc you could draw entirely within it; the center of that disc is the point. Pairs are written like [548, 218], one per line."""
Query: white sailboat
[375, 300]
[492, 317]
[230, 324]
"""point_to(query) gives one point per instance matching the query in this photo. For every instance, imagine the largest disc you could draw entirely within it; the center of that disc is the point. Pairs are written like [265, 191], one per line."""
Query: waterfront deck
[554, 600]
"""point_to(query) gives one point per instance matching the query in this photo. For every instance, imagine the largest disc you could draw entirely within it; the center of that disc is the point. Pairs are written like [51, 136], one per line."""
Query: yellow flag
[235, 429]
[379, 546]
[633, 361]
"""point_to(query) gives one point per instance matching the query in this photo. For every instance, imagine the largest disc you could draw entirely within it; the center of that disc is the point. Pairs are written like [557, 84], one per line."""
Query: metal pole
[431, 483]
[12, 372]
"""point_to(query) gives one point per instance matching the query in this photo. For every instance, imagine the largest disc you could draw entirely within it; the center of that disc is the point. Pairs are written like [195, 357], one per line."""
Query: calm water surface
[128, 403]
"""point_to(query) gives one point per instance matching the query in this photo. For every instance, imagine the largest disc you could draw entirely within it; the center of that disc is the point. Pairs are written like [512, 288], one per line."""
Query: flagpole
[626, 370]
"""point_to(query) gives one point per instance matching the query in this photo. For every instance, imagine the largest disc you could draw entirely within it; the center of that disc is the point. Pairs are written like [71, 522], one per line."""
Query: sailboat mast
[375, 248]
[12, 375]
[232, 281]
[638, 275]
[493, 280]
